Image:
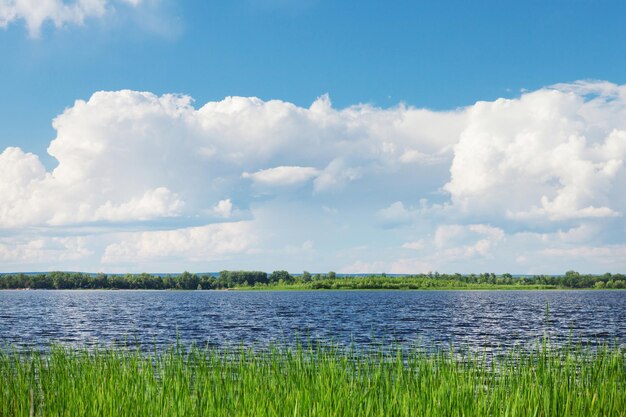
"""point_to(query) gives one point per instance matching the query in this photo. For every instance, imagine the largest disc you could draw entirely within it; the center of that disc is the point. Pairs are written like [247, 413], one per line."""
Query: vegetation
[283, 279]
[312, 381]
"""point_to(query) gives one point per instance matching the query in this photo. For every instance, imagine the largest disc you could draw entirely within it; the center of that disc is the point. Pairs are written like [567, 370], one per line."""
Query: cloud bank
[145, 182]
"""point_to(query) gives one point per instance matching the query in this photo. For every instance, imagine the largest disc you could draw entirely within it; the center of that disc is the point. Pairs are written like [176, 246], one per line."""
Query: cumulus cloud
[127, 155]
[465, 187]
[60, 13]
[29, 250]
[555, 154]
[205, 243]
[159, 202]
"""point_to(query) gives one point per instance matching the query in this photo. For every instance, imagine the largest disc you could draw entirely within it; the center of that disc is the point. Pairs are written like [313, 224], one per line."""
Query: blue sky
[434, 54]
[332, 197]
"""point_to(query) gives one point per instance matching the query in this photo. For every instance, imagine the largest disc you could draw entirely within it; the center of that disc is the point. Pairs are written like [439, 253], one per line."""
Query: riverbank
[340, 287]
[313, 381]
[284, 280]
[262, 288]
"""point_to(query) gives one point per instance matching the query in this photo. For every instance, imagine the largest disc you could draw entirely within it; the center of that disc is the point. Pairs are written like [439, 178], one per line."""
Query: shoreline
[285, 281]
[251, 289]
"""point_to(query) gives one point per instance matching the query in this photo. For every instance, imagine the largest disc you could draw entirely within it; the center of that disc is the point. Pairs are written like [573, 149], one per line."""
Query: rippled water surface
[477, 318]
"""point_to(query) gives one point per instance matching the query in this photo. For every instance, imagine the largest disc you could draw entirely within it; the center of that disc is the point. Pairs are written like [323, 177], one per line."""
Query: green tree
[277, 276]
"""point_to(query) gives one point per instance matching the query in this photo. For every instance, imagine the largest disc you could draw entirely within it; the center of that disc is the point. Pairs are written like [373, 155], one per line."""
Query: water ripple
[481, 319]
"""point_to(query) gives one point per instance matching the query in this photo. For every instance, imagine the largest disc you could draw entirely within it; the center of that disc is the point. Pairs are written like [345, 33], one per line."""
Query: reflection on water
[481, 319]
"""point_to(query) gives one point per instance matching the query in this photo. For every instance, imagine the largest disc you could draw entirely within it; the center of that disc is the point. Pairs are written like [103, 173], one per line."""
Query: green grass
[312, 381]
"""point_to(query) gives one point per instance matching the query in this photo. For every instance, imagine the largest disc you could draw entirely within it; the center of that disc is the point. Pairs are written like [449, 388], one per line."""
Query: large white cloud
[400, 188]
[556, 154]
[60, 13]
[126, 155]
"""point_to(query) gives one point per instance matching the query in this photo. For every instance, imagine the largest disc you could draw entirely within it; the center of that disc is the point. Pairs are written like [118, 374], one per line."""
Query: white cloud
[159, 202]
[556, 154]
[466, 241]
[224, 208]
[336, 175]
[60, 13]
[194, 244]
[29, 250]
[476, 187]
[415, 156]
[416, 245]
[128, 156]
[394, 215]
[20, 176]
[483, 248]
[282, 176]
[472, 244]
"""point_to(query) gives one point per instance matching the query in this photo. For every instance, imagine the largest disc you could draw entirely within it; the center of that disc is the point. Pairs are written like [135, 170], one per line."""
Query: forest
[285, 280]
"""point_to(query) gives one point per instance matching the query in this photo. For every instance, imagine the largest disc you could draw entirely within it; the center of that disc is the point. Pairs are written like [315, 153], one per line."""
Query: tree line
[306, 280]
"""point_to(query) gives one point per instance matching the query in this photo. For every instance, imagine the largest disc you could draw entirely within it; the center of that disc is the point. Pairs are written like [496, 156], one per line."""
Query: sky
[358, 137]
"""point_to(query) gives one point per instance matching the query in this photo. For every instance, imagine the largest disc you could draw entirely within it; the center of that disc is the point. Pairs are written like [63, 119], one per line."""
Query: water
[480, 319]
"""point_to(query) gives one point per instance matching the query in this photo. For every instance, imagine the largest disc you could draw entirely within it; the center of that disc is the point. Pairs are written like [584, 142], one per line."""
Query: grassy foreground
[312, 381]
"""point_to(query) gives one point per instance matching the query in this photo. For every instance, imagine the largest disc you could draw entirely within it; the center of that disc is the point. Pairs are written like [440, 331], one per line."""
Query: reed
[312, 380]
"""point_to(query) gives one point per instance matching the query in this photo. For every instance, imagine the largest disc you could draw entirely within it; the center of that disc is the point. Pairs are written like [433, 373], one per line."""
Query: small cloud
[416, 245]
[413, 156]
[36, 14]
[282, 176]
[395, 215]
[224, 208]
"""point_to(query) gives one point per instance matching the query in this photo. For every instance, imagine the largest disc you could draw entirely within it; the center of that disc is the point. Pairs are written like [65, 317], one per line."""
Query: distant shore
[304, 289]
[283, 280]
